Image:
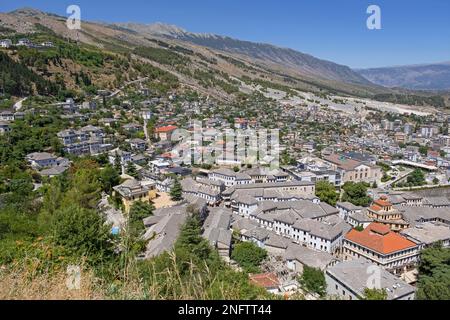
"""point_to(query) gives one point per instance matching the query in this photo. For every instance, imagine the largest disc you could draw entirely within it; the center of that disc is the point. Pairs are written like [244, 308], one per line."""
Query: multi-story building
[165, 133]
[349, 279]
[4, 127]
[382, 246]
[353, 170]
[132, 190]
[382, 211]
[5, 43]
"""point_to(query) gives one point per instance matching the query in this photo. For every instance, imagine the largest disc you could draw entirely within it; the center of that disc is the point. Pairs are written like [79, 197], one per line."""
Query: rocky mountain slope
[415, 77]
[216, 66]
[303, 63]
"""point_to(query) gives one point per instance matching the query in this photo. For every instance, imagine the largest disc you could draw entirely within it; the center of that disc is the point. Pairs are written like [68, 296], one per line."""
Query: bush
[249, 256]
[313, 280]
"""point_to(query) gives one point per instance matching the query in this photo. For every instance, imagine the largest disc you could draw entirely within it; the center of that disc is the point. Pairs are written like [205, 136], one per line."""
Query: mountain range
[230, 59]
[304, 63]
[415, 77]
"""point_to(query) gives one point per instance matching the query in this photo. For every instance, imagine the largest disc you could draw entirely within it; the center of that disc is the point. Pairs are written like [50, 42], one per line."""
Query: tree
[327, 192]
[117, 163]
[138, 211]
[423, 150]
[435, 180]
[82, 232]
[109, 177]
[176, 193]
[434, 274]
[416, 178]
[313, 279]
[375, 294]
[85, 185]
[356, 193]
[249, 256]
[131, 170]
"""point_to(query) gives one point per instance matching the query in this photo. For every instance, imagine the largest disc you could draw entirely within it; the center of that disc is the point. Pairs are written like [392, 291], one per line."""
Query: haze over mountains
[415, 77]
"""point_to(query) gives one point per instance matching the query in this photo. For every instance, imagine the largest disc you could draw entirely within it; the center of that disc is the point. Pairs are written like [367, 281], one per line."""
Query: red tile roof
[374, 207]
[166, 129]
[383, 203]
[379, 238]
[265, 280]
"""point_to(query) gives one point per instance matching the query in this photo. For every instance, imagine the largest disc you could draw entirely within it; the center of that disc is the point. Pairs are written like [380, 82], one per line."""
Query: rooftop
[380, 238]
[354, 274]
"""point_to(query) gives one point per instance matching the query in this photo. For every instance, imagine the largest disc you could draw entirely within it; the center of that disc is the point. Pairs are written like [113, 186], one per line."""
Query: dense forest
[18, 80]
[410, 99]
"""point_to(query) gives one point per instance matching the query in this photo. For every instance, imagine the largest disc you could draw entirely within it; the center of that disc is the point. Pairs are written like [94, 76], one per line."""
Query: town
[299, 194]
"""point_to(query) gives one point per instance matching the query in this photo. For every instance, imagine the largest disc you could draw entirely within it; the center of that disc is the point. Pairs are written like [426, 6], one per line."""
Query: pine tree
[131, 170]
[176, 193]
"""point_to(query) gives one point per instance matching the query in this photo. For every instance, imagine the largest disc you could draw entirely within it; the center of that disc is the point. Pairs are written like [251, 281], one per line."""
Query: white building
[348, 280]
[5, 43]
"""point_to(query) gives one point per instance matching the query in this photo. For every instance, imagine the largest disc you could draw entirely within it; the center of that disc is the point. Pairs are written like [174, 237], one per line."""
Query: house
[89, 105]
[42, 160]
[192, 187]
[382, 246]
[7, 115]
[325, 235]
[132, 190]
[5, 43]
[47, 44]
[163, 229]
[165, 133]
[69, 106]
[138, 144]
[295, 188]
[159, 165]
[346, 209]
[359, 220]
[348, 280]
[164, 226]
[298, 256]
[24, 42]
[229, 177]
[132, 127]
[108, 122]
[53, 171]
[119, 156]
[354, 171]
[216, 229]
[427, 234]
[382, 211]
[268, 281]
[164, 185]
[4, 127]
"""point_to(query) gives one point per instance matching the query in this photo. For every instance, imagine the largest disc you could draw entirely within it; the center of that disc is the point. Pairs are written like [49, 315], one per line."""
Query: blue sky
[412, 31]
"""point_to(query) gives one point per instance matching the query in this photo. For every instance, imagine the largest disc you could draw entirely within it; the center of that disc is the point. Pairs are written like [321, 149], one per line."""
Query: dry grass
[18, 284]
